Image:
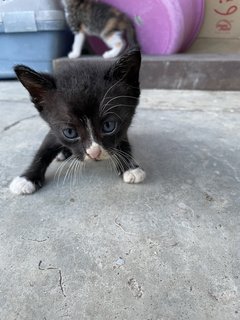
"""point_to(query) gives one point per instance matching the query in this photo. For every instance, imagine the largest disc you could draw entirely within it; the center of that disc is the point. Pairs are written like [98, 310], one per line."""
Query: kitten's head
[88, 106]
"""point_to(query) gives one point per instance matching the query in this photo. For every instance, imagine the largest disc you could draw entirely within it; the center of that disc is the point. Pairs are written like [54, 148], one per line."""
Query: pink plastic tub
[163, 26]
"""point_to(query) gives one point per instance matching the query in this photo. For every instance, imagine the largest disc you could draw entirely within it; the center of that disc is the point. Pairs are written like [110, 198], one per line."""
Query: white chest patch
[21, 185]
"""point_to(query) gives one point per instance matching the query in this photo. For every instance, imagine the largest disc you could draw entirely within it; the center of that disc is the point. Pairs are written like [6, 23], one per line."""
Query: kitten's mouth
[100, 158]
[100, 155]
[88, 157]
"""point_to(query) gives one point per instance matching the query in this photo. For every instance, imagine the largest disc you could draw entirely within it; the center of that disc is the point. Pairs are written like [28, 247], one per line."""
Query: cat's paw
[20, 185]
[134, 175]
[73, 55]
[61, 157]
[110, 54]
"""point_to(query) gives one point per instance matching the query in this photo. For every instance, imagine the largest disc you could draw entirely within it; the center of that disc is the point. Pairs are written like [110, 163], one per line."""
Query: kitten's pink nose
[94, 151]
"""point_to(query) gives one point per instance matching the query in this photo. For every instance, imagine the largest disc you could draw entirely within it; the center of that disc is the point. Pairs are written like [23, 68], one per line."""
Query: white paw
[60, 157]
[73, 55]
[109, 54]
[134, 175]
[21, 185]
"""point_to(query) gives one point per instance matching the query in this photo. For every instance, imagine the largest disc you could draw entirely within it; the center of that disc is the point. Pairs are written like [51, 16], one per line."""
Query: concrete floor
[168, 249]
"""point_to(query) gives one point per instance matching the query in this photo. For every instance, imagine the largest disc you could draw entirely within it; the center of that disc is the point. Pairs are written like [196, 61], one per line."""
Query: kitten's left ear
[127, 67]
[36, 83]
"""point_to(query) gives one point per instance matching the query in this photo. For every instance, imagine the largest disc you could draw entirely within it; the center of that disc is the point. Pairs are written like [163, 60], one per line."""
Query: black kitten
[89, 110]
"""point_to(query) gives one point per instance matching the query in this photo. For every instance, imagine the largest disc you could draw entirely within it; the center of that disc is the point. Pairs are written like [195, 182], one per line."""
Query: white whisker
[76, 173]
[124, 158]
[105, 95]
[113, 165]
[105, 112]
[118, 162]
[61, 167]
[72, 174]
[79, 171]
[68, 172]
[127, 155]
[118, 97]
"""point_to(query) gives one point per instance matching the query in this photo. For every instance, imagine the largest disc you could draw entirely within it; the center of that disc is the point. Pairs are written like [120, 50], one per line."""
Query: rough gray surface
[100, 249]
[181, 71]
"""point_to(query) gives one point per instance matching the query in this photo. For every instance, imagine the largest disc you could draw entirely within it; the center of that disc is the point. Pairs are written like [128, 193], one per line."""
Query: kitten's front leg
[64, 154]
[33, 178]
[127, 165]
[77, 45]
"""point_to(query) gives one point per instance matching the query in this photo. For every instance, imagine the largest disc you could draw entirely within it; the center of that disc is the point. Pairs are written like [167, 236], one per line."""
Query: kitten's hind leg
[114, 41]
[33, 178]
[127, 165]
[77, 45]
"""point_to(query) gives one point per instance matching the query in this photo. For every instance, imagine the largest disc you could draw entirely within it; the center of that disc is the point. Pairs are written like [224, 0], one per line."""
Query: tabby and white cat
[89, 110]
[88, 17]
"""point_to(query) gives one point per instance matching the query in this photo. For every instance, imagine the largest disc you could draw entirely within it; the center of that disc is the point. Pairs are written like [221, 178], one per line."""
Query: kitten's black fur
[103, 94]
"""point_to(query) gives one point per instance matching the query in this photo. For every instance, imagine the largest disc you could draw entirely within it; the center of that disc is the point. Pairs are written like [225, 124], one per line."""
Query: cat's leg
[77, 45]
[114, 41]
[64, 154]
[127, 165]
[33, 178]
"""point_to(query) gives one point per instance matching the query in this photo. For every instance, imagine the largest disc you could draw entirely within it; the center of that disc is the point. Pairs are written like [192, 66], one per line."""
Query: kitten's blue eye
[109, 127]
[70, 133]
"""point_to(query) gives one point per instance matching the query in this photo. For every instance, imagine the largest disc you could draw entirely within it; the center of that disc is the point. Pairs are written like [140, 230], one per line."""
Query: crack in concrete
[17, 122]
[61, 282]
[60, 275]
[36, 240]
[49, 268]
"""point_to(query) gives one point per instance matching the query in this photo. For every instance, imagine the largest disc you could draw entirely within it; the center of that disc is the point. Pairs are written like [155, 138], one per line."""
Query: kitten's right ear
[127, 66]
[36, 83]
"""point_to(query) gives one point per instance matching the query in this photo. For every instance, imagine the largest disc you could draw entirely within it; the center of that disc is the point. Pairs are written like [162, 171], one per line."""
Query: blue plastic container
[33, 34]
